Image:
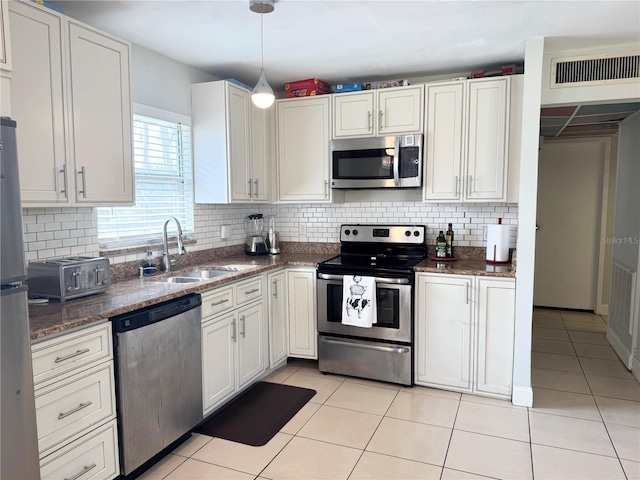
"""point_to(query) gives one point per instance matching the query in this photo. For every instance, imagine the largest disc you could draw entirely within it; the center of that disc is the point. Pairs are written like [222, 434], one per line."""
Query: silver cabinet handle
[380, 122]
[242, 324]
[275, 288]
[250, 188]
[74, 410]
[369, 120]
[215, 304]
[233, 329]
[457, 184]
[63, 171]
[468, 288]
[470, 182]
[84, 470]
[72, 355]
[256, 182]
[326, 189]
[84, 182]
[252, 291]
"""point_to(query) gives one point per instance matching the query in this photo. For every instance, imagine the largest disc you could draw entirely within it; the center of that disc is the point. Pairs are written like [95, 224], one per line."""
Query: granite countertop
[467, 266]
[134, 293]
[127, 295]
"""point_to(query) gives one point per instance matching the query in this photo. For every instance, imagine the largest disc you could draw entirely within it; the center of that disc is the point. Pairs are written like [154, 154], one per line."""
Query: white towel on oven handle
[359, 301]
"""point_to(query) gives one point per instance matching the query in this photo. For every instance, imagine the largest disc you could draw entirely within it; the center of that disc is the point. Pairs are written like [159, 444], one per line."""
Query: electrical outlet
[225, 232]
[484, 233]
[302, 229]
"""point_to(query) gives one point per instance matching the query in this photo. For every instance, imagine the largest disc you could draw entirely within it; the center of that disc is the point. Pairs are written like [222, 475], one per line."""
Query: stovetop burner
[376, 249]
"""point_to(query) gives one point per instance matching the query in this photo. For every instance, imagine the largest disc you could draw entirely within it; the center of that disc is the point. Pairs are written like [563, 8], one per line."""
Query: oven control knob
[416, 233]
[347, 232]
[355, 232]
[407, 233]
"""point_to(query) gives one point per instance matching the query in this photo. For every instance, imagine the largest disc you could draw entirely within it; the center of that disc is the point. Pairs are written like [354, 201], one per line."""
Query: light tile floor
[585, 424]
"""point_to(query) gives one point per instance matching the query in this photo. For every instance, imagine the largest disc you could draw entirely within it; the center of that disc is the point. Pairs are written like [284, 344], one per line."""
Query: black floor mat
[257, 414]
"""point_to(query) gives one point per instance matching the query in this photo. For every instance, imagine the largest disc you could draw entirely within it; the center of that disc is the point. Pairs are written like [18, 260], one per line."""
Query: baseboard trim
[635, 368]
[602, 309]
[621, 350]
[522, 396]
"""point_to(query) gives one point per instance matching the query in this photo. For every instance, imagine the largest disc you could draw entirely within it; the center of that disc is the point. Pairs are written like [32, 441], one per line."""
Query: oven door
[393, 303]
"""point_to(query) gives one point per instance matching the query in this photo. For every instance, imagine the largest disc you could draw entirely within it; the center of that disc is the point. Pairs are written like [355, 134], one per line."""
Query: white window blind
[163, 182]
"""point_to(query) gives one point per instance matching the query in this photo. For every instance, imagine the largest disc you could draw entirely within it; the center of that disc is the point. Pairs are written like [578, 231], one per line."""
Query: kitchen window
[163, 182]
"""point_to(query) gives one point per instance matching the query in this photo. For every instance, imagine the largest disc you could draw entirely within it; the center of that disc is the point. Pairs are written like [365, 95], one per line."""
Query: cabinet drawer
[91, 457]
[73, 404]
[217, 301]
[63, 354]
[248, 291]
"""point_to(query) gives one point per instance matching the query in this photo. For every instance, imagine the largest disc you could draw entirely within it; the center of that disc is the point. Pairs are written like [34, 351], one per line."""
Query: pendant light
[262, 96]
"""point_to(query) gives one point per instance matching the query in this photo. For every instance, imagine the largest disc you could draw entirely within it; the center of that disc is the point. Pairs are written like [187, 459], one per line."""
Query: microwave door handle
[396, 162]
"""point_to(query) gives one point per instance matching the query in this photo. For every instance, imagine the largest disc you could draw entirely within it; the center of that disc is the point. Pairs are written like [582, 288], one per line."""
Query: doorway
[573, 186]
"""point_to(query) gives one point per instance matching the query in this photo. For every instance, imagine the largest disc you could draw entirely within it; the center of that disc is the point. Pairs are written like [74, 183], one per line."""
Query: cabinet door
[301, 311]
[353, 115]
[444, 142]
[443, 331]
[100, 103]
[218, 360]
[5, 49]
[278, 340]
[303, 150]
[260, 147]
[239, 126]
[495, 331]
[250, 343]
[487, 139]
[37, 104]
[400, 110]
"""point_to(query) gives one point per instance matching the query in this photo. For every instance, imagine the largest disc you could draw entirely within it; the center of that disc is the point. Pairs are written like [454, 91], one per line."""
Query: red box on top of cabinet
[306, 88]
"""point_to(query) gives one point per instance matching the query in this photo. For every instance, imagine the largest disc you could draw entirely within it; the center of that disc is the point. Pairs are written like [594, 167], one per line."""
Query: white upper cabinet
[231, 141]
[304, 133]
[5, 48]
[71, 99]
[466, 140]
[378, 112]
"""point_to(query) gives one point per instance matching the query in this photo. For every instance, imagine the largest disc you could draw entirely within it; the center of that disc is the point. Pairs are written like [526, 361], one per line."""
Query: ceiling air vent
[594, 70]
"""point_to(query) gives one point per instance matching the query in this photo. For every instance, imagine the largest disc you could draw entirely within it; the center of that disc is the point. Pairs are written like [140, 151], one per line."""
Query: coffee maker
[255, 244]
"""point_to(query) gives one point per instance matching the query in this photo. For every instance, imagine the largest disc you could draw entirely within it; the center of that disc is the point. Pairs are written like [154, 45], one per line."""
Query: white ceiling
[341, 41]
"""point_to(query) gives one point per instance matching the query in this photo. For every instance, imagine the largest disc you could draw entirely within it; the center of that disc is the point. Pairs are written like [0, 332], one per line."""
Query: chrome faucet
[168, 262]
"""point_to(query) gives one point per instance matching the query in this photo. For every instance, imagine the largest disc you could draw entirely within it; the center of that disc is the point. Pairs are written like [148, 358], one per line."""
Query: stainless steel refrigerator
[18, 437]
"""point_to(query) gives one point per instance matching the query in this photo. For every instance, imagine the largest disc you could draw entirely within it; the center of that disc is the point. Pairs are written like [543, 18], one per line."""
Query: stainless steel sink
[206, 274]
[182, 279]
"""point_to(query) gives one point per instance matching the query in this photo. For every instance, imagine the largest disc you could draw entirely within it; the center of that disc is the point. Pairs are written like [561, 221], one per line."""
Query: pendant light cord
[261, 45]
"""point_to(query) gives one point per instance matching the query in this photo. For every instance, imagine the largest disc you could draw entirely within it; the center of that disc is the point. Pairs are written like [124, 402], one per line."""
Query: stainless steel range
[387, 253]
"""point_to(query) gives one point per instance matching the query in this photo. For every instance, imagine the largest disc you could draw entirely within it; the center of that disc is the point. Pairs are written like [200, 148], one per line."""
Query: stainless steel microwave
[378, 162]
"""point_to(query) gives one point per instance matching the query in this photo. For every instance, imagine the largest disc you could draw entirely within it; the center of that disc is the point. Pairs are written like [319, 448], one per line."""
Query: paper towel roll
[497, 243]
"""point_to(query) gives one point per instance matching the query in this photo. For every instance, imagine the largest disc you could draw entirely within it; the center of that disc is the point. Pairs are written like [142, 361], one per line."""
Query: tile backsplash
[57, 232]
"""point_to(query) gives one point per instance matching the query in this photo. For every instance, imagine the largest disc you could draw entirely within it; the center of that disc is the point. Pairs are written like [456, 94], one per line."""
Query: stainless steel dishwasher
[159, 377]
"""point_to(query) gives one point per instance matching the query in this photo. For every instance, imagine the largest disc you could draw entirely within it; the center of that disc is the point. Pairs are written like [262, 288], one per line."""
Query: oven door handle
[400, 281]
[365, 346]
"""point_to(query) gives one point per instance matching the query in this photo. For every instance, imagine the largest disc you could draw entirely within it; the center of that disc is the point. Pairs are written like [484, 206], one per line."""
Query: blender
[253, 226]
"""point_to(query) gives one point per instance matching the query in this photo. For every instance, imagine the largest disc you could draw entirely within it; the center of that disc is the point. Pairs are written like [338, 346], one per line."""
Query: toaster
[67, 278]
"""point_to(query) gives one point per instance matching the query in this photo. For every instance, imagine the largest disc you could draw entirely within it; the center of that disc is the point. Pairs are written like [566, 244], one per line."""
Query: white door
[239, 125]
[301, 312]
[570, 176]
[218, 360]
[443, 330]
[261, 143]
[494, 337]
[100, 102]
[250, 346]
[37, 104]
[353, 115]
[400, 111]
[278, 340]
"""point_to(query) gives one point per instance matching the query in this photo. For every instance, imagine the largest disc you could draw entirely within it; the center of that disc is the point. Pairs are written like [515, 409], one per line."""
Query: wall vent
[621, 304]
[595, 70]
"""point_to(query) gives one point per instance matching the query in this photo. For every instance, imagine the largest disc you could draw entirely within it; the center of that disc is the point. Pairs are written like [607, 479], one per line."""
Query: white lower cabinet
[278, 339]
[234, 342]
[464, 333]
[301, 309]
[75, 405]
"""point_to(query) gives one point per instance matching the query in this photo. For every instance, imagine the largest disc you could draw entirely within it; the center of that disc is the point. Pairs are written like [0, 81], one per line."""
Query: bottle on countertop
[441, 245]
[148, 267]
[449, 240]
